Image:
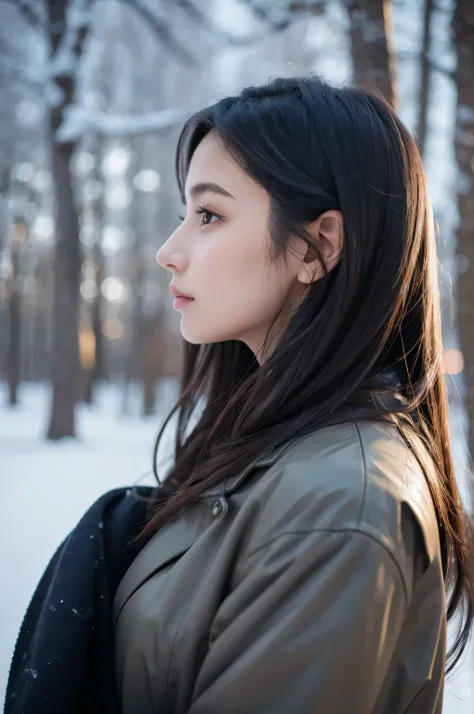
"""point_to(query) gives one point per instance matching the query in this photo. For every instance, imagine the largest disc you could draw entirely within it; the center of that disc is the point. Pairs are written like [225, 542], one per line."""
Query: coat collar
[266, 459]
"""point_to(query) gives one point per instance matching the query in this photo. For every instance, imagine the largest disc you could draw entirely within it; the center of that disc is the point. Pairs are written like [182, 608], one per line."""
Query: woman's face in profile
[219, 254]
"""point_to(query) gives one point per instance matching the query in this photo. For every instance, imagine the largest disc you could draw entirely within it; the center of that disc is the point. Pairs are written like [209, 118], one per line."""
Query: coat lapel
[169, 543]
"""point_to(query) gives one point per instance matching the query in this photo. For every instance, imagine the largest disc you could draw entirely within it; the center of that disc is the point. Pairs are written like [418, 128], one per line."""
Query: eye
[207, 215]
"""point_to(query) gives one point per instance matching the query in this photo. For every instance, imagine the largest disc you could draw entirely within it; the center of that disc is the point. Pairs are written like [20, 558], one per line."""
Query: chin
[191, 340]
[205, 337]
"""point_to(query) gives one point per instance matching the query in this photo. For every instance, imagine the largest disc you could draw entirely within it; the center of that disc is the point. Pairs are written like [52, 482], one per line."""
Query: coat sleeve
[309, 628]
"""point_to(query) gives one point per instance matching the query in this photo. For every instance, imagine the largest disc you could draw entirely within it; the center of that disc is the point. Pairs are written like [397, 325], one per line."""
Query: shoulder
[335, 476]
[356, 477]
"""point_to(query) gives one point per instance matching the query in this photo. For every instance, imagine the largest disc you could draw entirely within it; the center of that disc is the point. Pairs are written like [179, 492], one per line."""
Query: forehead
[212, 163]
[210, 156]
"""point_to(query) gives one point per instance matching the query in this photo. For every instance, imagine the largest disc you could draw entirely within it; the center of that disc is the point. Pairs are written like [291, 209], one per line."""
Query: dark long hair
[315, 148]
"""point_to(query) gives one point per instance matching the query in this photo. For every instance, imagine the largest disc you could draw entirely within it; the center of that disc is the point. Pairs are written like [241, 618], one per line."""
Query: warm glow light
[20, 234]
[87, 347]
[112, 329]
[453, 362]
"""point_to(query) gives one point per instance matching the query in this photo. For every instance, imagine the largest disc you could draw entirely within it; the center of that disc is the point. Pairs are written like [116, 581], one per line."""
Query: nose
[169, 259]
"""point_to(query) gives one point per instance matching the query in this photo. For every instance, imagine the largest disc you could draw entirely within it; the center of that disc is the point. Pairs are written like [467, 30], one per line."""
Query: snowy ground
[45, 488]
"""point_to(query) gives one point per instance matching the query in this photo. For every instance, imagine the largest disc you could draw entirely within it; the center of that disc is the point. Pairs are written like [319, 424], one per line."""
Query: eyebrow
[199, 188]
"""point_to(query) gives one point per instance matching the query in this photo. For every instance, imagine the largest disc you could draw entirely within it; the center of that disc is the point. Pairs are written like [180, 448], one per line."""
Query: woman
[296, 558]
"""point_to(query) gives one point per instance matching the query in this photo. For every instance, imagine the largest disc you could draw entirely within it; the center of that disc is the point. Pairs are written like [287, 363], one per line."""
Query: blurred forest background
[93, 94]
[92, 97]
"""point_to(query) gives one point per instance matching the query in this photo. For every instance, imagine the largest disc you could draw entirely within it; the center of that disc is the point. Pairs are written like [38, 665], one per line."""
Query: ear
[327, 232]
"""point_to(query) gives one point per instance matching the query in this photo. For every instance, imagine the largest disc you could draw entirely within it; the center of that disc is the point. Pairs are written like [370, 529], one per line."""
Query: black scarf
[63, 661]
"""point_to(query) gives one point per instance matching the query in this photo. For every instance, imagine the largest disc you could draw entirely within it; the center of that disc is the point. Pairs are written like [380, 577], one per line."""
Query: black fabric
[63, 661]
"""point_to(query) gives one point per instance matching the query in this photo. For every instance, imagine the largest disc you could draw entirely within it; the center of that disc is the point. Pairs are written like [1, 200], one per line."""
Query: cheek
[224, 261]
[236, 290]
[231, 269]
[219, 263]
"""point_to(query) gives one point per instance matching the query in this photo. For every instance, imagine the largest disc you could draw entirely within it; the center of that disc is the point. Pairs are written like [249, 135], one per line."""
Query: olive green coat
[311, 584]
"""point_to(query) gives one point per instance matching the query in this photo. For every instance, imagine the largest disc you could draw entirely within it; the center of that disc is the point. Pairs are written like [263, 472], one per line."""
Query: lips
[177, 293]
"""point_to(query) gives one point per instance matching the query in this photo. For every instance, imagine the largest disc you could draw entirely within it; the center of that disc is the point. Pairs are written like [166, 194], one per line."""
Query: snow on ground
[46, 487]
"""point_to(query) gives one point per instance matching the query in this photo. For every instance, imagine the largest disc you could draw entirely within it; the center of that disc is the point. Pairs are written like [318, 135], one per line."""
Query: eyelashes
[201, 210]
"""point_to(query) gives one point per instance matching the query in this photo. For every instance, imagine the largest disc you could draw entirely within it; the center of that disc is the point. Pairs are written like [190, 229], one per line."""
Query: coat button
[216, 508]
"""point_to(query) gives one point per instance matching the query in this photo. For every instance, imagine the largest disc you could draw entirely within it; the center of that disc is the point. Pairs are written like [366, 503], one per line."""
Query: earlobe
[309, 273]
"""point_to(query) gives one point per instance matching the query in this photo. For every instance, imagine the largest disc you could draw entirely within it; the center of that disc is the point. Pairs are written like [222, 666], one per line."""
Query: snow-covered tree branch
[79, 121]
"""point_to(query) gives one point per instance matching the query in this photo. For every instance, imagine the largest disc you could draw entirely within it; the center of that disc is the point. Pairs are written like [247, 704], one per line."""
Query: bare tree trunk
[463, 25]
[95, 374]
[4, 192]
[14, 327]
[135, 345]
[372, 54]
[67, 261]
[65, 368]
[147, 366]
[425, 78]
[154, 346]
